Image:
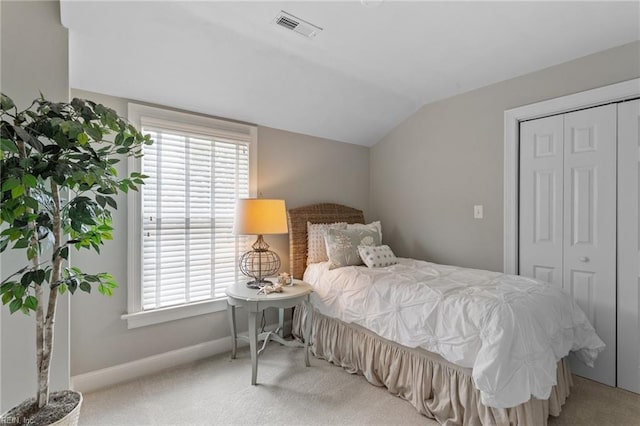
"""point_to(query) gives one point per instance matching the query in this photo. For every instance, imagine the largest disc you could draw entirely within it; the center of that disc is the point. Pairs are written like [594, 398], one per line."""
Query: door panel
[629, 246]
[541, 160]
[583, 193]
[581, 286]
[589, 265]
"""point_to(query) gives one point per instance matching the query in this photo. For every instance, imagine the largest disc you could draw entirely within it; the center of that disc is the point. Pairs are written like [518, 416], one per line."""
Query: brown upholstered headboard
[315, 213]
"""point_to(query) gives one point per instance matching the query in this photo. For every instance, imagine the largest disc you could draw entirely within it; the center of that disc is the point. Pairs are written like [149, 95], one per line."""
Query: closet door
[589, 265]
[629, 246]
[541, 164]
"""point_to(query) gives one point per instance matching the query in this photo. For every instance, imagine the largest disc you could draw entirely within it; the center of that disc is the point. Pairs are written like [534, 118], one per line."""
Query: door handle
[584, 259]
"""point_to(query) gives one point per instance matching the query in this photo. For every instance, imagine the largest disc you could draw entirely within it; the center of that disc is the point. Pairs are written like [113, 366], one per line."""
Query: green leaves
[83, 139]
[85, 286]
[15, 305]
[74, 145]
[34, 276]
[31, 302]
[17, 191]
[31, 202]
[83, 212]
[39, 276]
[64, 253]
[105, 201]
[75, 279]
[15, 294]
[10, 183]
[18, 291]
[8, 145]
[29, 181]
[13, 186]
[6, 103]
[6, 297]
[107, 284]
[94, 131]
[25, 136]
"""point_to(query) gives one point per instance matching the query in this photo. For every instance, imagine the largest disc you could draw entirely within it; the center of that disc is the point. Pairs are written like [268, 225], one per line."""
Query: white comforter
[510, 330]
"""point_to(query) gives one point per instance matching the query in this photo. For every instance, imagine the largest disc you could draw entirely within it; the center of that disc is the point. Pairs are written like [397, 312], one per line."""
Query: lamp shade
[260, 216]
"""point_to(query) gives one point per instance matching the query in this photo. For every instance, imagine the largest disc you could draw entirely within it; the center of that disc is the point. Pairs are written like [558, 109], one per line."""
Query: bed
[437, 388]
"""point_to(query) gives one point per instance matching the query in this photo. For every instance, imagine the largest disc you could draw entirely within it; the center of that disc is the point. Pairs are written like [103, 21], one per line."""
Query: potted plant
[57, 192]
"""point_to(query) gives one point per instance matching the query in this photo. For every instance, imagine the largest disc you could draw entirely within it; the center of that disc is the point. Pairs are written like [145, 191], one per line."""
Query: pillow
[377, 257]
[342, 245]
[376, 225]
[316, 248]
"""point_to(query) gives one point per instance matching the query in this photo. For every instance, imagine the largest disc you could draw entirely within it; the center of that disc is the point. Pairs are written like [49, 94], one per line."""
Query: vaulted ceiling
[373, 65]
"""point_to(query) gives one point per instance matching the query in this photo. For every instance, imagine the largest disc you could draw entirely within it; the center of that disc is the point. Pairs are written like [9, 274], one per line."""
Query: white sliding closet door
[629, 246]
[568, 217]
[590, 227]
[541, 222]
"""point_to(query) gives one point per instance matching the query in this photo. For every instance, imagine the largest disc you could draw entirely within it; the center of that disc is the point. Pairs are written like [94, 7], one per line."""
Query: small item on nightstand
[274, 288]
[285, 278]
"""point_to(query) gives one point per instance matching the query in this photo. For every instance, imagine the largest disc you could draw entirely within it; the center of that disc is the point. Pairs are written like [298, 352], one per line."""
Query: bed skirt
[435, 387]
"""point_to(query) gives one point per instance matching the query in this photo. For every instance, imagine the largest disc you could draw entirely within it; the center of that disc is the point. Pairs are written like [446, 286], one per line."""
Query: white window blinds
[189, 253]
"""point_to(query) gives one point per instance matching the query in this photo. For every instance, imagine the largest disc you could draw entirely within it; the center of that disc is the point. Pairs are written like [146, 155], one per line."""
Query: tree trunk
[43, 399]
[38, 290]
[43, 370]
[39, 310]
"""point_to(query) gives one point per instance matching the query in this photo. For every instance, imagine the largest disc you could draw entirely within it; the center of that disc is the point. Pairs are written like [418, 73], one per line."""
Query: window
[184, 251]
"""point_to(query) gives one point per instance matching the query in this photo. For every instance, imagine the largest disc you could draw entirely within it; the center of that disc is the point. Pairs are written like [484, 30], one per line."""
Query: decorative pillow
[376, 225]
[316, 247]
[342, 245]
[377, 257]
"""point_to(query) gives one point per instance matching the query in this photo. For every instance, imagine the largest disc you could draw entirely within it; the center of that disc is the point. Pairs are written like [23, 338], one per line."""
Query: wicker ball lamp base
[259, 263]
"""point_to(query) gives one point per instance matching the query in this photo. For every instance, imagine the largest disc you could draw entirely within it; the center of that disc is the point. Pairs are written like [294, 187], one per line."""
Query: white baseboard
[98, 379]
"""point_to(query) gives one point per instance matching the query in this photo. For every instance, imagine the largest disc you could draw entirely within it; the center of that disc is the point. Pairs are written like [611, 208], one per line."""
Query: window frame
[188, 123]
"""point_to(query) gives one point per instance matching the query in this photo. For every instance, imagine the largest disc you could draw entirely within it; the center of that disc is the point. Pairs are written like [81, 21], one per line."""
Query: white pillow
[342, 245]
[377, 257]
[377, 225]
[316, 247]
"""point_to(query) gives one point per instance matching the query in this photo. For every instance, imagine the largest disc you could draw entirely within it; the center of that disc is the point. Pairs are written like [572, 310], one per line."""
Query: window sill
[172, 313]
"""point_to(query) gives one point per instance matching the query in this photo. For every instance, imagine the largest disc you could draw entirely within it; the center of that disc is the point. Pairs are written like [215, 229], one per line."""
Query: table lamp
[260, 216]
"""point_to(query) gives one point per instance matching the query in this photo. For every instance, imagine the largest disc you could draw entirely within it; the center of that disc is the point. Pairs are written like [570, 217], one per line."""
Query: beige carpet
[217, 391]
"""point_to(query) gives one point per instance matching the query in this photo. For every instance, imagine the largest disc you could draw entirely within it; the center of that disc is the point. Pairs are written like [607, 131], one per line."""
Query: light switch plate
[478, 212]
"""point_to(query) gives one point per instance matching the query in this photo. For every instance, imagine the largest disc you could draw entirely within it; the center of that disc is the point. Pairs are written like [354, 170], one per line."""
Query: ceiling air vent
[297, 25]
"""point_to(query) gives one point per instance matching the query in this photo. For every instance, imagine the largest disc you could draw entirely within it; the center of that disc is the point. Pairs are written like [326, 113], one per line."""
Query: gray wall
[427, 173]
[305, 169]
[300, 169]
[421, 181]
[34, 58]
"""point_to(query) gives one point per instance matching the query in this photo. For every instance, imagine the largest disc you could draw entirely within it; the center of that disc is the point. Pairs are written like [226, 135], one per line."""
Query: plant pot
[71, 419]
[26, 414]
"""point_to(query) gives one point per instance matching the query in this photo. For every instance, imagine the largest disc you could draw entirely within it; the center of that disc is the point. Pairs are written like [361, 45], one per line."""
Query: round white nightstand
[240, 295]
